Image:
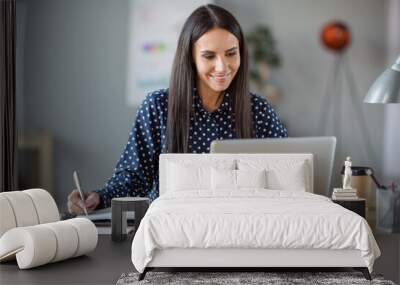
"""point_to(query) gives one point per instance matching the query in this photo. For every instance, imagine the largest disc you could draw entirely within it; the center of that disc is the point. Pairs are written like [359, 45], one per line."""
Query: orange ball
[335, 36]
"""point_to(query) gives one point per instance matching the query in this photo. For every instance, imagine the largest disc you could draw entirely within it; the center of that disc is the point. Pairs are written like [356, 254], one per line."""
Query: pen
[78, 186]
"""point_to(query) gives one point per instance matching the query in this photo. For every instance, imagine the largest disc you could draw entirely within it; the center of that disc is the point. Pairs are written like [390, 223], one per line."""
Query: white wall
[74, 85]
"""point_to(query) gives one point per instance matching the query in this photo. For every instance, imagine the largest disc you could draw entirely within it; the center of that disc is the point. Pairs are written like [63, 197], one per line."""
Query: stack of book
[344, 194]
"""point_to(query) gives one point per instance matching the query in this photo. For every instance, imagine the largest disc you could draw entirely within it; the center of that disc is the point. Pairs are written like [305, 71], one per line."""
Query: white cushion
[251, 178]
[292, 178]
[32, 246]
[87, 235]
[23, 208]
[45, 205]
[183, 177]
[67, 240]
[7, 218]
[223, 179]
[40, 244]
[282, 174]
[227, 179]
[186, 174]
[26, 208]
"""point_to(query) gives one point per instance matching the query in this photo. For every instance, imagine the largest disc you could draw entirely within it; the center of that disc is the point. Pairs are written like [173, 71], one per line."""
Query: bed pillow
[281, 174]
[189, 174]
[183, 177]
[293, 178]
[251, 178]
[227, 179]
[223, 179]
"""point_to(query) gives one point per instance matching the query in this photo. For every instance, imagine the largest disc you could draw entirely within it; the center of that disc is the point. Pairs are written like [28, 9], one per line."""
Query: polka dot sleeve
[138, 164]
[266, 121]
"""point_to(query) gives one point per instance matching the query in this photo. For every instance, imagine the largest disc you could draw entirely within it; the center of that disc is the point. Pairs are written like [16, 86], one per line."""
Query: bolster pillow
[26, 208]
[40, 244]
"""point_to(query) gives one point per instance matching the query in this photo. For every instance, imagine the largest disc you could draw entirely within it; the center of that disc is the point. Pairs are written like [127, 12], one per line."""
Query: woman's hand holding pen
[75, 203]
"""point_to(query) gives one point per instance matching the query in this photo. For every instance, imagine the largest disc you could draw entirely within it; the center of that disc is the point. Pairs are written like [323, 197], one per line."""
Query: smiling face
[217, 59]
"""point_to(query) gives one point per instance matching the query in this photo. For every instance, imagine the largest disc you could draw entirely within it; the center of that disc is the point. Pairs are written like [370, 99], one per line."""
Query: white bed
[202, 220]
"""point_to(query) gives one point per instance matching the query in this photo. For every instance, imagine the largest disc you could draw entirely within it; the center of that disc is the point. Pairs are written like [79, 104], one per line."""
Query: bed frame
[245, 259]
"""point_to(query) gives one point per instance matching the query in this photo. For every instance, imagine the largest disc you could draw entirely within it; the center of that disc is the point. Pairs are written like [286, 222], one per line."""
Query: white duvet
[250, 219]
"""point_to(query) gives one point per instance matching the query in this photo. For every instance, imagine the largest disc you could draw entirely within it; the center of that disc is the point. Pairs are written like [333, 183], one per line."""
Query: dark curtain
[8, 178]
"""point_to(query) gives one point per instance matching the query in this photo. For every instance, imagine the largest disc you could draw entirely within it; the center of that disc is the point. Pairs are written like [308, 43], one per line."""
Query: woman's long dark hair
[183, 78]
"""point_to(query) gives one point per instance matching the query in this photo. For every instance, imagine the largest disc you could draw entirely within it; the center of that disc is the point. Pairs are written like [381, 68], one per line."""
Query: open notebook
[102, 219]
[105, 214]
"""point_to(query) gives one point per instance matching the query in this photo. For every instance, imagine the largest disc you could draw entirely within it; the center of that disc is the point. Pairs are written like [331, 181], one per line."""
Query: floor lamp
[335, 36]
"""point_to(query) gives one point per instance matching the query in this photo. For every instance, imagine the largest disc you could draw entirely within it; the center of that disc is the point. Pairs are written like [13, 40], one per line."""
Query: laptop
[322, 148]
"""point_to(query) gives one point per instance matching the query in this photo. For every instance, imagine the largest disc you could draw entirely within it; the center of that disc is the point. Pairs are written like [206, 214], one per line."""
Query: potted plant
[264, 54]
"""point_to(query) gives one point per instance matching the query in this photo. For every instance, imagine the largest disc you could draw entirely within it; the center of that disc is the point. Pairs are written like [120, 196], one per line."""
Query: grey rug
[231, 278]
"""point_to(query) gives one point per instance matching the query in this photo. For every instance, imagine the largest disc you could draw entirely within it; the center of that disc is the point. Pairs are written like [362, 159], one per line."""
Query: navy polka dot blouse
[136, 173]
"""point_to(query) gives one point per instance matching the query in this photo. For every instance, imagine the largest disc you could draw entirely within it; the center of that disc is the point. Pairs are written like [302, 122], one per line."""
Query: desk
[110, 259]
[102, 266]
[389, 262]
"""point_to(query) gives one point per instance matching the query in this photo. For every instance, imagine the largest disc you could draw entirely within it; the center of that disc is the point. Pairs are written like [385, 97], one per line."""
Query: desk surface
[102, 266]
[111, 259]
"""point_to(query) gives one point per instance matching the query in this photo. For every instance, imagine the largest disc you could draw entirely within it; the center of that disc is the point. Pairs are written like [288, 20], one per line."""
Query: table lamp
[386, 89]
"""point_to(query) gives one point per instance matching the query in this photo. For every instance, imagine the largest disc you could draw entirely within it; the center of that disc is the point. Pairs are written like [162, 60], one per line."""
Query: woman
[208, 99]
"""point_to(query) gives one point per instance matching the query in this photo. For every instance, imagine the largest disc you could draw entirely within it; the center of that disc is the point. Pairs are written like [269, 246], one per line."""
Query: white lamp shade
[386, 89]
